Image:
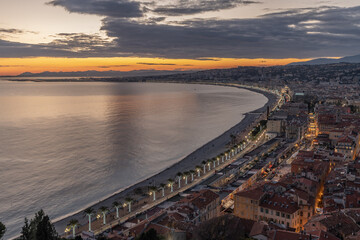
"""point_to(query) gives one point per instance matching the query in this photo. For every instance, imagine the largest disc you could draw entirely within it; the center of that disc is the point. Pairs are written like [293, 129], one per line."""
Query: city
[179, 120]
[291, 174]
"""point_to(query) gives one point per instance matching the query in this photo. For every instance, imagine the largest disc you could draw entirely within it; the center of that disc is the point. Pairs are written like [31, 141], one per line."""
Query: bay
[64, 145]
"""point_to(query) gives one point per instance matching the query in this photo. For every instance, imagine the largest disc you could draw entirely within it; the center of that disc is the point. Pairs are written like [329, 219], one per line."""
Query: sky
[124, 35]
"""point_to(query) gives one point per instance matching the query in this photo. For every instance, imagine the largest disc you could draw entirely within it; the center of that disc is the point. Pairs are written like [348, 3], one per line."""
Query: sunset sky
[123, 35]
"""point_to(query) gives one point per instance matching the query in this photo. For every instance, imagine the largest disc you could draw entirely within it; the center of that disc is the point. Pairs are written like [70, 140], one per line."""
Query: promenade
[140, 203]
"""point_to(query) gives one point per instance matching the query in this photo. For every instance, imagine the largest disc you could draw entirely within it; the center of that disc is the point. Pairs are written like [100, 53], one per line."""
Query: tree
[214, 161]
[89, 212]
[73, 223]
[153, 190]
[128, 201]
[26, 231]
[162, 187]
[171, 184]
[117, 205]
[204, 165]
[198, 169]
[186, 175]
[263, 123]
[45, 230]
[209, 164]
[39, 228]
[149, 235]
[2, 230]
[192, 172]
[179, 176]
[104, 210]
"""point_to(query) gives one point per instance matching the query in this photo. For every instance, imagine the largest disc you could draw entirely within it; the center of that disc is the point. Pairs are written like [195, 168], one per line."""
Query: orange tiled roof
[280, 203]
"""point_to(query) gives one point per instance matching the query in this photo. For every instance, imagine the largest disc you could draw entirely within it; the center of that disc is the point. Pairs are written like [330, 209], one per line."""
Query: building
[275, 203]
[205, 204]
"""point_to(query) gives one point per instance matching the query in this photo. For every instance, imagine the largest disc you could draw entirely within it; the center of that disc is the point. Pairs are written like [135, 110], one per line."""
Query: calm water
[65, 145]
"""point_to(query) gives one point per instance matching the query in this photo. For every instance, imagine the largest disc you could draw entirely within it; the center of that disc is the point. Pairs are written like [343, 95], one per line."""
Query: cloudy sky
[78, 35]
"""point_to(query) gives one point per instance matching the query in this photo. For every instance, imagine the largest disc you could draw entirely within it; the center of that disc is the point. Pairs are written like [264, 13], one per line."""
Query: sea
[64, 145]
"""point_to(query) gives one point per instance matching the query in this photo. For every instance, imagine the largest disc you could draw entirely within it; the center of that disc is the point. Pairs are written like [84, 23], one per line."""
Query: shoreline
[206, 151]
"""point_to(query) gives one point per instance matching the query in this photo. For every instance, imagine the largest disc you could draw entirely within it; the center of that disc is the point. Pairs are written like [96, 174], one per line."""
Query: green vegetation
[256, 130]
[354, 109]
[39, 228]
[149, 235]
[2, 230]
[263, 123]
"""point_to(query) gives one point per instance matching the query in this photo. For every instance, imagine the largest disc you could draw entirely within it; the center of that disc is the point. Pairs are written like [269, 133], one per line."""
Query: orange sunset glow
[15, 66]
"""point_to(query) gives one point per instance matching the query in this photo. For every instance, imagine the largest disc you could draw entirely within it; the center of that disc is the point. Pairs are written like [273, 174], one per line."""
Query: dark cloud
[67, 45]
[10, 30]
[113, 66]
[13, 49]
[80, 42]
[9, 66]
[208, 59]
[189, 7]
[301, 33]
[156, 64]
[109, 8]
[134, 9]
[292, 33]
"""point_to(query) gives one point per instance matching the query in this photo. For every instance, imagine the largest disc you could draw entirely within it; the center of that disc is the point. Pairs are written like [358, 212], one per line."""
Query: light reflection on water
[63, 145]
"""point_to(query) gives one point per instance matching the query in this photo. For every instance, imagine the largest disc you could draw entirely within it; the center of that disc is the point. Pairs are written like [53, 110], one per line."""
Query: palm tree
[179, 175]
[238, 148]
[162, 187]
[204, 165]
[171, 184]
[209, 164]
[198, 169]
[89, 212]
[116, 205]
[128, 201]
[192, 172]
[214, 162]
[153, 190]
[185, 176]
[104, 210]
[73, 224]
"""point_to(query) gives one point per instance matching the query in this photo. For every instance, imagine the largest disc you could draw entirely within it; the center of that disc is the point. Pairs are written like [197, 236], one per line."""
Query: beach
[207, 151]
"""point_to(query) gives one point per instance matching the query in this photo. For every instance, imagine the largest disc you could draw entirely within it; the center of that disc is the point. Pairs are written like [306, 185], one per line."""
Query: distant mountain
[351, 59]
[135, 73]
